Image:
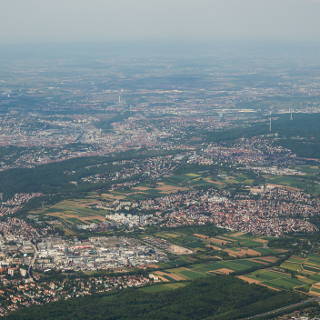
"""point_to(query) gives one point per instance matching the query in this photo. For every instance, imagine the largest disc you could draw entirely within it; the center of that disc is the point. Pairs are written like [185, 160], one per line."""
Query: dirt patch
[65, 215]
[174, 276]
[312, 159]
[166, 188]
[201, 236]
[263, 241]
[280, 250]
[56, 214]
[141, 188]
[236, 234]
[226, 238]
[298, 258]
[222, 271]
[153, 266]
[87, 204]
[242, 253]
[312, 264]
[272, 186]
[249, 280]
[179, 250]
[269, 259]
[259, 261]
[161, 275]
[311, 273]
[213, 247]
[100, 218]
[218, 241]
[214, 181]
[177, 277]
[269, 287]
[113, 196]
[252, 252]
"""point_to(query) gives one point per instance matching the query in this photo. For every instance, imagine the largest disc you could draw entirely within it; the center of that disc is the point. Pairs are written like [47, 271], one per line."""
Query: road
[33, 259]
[280, 310]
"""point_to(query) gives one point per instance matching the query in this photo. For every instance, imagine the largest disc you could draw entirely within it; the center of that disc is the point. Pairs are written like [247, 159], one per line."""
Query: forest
[301, 135]
[215, 298]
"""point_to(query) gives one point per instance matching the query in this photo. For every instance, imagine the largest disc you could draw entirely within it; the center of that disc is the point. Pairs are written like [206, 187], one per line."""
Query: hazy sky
[107, 20]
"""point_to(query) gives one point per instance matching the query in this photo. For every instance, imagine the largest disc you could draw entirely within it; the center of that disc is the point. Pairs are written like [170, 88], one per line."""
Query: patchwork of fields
[309, 181]
[89, 210]
[224, 267]
[246, 257]
[222, 254]
[296, 273]
[210, 252]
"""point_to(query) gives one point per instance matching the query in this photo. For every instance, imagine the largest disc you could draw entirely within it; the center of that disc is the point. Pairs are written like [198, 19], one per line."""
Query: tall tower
[291, 113]
[120, 100]
[270, 122]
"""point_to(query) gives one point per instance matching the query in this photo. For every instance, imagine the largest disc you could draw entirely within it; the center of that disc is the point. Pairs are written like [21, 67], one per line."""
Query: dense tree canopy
[217, 298]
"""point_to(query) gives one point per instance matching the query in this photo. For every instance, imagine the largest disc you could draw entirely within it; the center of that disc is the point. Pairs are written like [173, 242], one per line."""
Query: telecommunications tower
[270, 122]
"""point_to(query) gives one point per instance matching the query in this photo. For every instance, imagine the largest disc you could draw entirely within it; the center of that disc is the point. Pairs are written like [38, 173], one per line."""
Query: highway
[280, 310]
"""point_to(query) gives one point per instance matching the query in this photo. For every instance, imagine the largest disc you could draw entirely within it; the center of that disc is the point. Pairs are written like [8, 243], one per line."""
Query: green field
[306, 183]
[198, 270]
[275, 279]
[297, 273]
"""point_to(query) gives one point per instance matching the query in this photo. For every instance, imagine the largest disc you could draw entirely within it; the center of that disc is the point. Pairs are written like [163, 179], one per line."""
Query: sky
[30, 21]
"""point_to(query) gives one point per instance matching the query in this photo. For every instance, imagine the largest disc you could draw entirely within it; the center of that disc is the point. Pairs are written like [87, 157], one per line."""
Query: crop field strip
[199, 270]
[306, 277]
[244, 252]
[298, 273]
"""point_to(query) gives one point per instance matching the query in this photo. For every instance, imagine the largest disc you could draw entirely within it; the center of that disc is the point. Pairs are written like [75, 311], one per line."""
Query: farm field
[241, 255]
[309, 184]
[199, 270]
[77, 211]
[296, 273]
[274, 278]
[308, 266]
[187, 179]
[308, 170]
[213, 250]
[236, 245]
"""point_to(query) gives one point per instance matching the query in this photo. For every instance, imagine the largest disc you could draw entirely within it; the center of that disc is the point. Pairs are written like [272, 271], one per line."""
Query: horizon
[205, 20]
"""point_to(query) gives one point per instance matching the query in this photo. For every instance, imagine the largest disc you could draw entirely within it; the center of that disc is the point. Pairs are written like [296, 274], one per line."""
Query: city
[136, 176]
